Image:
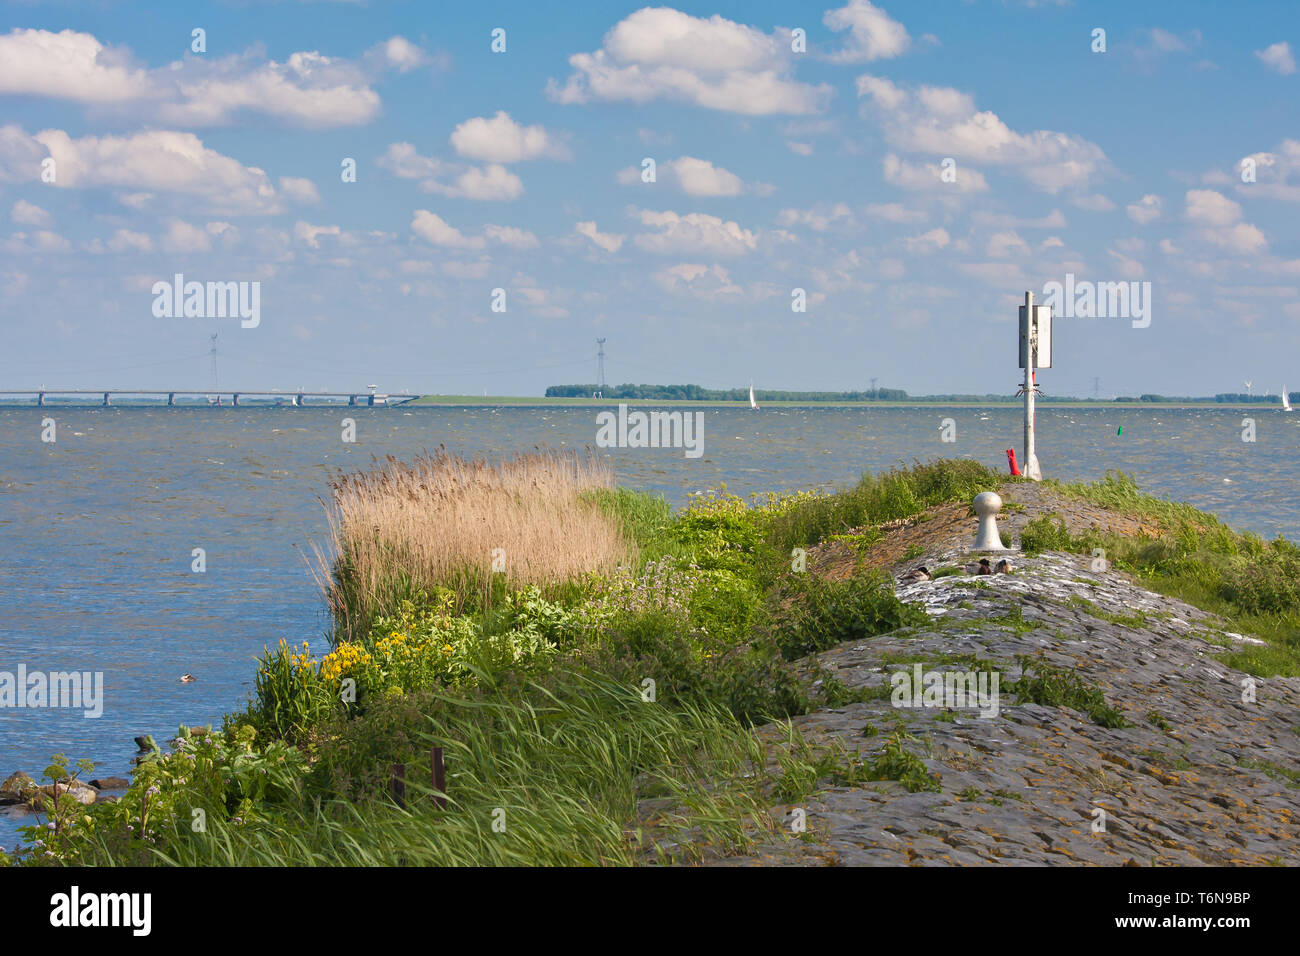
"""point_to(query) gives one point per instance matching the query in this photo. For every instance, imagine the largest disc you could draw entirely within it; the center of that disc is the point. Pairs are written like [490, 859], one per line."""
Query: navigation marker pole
[1031, 460]
[1035, 349]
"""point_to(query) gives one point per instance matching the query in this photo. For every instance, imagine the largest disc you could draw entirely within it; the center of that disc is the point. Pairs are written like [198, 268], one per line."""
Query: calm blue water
[97, 529]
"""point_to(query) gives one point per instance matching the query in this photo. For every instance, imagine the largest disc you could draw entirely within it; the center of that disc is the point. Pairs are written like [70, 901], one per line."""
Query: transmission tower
[1096, 387]
[213, 352]
[600, 365]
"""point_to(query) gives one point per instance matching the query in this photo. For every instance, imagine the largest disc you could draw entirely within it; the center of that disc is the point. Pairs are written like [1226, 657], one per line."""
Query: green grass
[562, 766]
[1158, 720]
[644, 516]
[900, 493]
[1132, 621]
[1287, 775]
[1042, 683]
[1014, 621]
[965, 661]
[1254, 585]
[806, 768]
[818, 614]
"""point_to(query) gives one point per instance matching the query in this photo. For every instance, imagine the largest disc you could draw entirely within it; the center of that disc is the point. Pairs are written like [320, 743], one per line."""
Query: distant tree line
[1227, 398]
[697, 393]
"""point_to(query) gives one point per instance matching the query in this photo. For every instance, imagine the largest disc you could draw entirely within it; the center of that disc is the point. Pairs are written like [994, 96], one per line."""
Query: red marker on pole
[1011, 460]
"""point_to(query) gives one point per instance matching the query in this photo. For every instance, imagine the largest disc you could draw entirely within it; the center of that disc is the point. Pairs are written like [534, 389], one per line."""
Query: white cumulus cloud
[181, 236]
[1145, 210]
[511, 236]
[25, 213]
[501, 140]
[942, 121]
[695, 177]
[1278, 58]
[434, 229]
[157, 160]
[603, 240]
[929, 176]
[715, 63]
[694, 232]
[872, 34]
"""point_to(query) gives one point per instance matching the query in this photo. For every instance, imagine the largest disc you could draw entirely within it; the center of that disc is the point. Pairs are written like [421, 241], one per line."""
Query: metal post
[40, 398]
[1031, 470]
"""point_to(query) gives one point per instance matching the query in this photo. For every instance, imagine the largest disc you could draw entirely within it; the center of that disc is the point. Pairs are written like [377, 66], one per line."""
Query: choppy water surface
[97, 529]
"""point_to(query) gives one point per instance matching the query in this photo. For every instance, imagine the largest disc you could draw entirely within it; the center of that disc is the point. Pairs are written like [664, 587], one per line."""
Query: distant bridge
[368, 398]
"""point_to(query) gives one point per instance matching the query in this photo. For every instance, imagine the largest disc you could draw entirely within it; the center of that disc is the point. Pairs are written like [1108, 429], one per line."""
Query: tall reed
[473, 527]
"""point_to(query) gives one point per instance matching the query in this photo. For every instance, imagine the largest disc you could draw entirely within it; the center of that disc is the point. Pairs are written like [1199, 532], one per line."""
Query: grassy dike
[595, 668]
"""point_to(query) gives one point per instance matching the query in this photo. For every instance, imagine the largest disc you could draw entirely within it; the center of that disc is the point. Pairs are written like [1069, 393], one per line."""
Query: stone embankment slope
[1204, 774]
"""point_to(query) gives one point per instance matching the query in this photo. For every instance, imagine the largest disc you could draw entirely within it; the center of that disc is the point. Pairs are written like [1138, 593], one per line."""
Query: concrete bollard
[987, 504]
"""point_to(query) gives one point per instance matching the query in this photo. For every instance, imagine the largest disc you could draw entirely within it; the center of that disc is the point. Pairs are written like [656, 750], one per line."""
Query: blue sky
[776, 170]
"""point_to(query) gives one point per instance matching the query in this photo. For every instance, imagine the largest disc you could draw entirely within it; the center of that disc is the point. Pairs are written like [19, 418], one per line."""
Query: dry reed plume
[437, 521]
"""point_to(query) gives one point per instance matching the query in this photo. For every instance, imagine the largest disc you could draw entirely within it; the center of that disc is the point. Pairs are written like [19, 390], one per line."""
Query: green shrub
[1262, 587]
[1047, 533]
[818, 613]
[895, 762]
[717, 531]
[751, 680]
[527, 610]
[726, 607]
[1042, 683]
[207, 781]
[354, 753]
[289, 696]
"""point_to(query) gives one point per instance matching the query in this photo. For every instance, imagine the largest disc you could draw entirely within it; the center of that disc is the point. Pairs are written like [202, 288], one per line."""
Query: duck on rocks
[1003, 567]
[916, 574]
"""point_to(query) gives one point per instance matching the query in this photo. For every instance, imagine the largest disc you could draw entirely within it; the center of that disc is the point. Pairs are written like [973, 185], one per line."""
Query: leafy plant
[819, 613]
[1042, 683]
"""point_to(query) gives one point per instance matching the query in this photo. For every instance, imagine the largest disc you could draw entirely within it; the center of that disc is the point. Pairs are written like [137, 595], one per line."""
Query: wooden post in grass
[398, 784]
[439, 777]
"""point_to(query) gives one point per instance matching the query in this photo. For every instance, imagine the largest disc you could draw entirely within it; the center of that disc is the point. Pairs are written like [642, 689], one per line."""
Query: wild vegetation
[1191, 555]
[575, 648]
[466, 529]
[595, 696]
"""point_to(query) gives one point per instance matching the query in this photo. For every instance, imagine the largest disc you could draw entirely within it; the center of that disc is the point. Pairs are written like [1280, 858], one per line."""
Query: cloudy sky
[913, 168]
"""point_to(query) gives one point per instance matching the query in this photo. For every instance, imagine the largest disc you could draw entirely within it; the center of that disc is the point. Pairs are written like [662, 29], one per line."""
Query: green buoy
[1120, 430]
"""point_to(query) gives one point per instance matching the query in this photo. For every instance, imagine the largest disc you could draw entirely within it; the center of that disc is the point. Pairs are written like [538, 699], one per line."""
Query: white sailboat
[752, 404]
[1286, 400]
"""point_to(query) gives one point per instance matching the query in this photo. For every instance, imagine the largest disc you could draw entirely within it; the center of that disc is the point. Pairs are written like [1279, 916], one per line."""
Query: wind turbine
[1248, 389]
